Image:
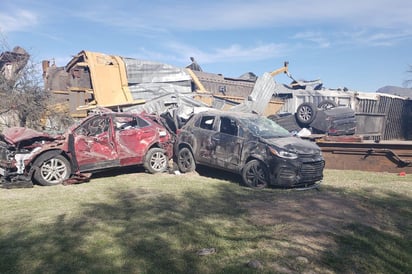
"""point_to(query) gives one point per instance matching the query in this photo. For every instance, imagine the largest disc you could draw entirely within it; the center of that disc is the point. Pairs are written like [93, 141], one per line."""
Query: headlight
[162, 133]
[283, 153]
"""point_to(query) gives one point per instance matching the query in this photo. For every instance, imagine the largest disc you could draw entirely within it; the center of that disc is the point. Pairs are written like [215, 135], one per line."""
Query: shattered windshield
[265, 128]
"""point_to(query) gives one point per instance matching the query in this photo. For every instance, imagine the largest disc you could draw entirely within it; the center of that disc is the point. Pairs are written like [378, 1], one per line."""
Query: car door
[203, 131]
[228, 144]
[94, 145]
[133, 136]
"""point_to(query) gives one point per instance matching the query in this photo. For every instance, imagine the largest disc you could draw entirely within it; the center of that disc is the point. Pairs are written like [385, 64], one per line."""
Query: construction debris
[11, 62]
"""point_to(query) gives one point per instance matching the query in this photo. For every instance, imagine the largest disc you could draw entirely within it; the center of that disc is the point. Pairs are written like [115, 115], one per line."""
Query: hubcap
[185, 159]
[158, 161]
[54, 171]
[256, 176]
[305, 113]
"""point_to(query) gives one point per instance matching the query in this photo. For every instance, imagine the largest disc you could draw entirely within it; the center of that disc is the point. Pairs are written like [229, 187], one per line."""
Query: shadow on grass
[219, 174]
[139, 231]
[339, 231]
[364, 249]
[375, 244]
[136, 232]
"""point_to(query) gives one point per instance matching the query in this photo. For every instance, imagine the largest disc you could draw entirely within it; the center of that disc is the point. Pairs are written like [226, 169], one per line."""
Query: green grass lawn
[357, 222]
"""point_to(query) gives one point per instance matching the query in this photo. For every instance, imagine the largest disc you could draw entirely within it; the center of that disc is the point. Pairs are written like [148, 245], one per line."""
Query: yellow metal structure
[208, 97]
[283, 69]
[199, 85]
[93, 79]
[108, 78]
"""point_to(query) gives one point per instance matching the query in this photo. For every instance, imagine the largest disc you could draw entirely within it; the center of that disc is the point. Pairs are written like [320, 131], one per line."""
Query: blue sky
[362, 45]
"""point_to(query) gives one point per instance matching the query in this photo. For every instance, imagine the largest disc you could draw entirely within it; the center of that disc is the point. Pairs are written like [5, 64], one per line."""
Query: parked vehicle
[255, 147]
[99, 142]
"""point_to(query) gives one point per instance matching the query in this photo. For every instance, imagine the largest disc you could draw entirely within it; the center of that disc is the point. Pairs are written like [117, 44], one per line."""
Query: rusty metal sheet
[260, 97]
[392, 157]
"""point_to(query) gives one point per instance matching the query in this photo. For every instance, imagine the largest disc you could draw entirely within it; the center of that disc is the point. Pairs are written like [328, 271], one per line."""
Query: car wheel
[327, 104]
[155, 160]
[306, 113]
[255, 174]
[52, 171]
[185, 160]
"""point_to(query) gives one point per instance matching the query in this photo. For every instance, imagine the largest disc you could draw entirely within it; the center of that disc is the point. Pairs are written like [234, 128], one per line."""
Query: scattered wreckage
[331, 120]
[126, 85]
[261, 151]
[251, 145]
[99, 142]
[11, 62]
[93, 79]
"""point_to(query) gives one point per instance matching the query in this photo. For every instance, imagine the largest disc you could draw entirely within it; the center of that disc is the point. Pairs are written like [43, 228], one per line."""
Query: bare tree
[21, 89]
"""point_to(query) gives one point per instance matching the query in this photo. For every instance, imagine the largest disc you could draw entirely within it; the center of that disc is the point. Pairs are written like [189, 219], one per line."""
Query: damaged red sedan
[99, 142]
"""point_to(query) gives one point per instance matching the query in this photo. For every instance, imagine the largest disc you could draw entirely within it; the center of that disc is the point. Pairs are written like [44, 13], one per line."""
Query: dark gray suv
[255, 147]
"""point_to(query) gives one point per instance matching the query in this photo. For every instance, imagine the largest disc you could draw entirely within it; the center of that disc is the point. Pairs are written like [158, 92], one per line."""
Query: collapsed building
[93, 80]
[12, 62]
[378, 124]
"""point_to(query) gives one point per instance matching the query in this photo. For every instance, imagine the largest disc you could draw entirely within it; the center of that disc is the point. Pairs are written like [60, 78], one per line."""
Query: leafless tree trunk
[21, 91]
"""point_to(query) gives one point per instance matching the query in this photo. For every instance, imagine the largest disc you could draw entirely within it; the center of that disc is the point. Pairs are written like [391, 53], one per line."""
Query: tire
[306, 113]
[156, 161]
[185, 160]
[327, 104]
[255, 175]
[52, 171]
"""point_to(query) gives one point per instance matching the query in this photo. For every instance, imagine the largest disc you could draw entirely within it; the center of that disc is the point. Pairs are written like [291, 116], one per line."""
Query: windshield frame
[264, 127]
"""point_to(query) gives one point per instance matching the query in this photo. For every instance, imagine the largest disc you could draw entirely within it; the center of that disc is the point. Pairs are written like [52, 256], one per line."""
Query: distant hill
[404, 92]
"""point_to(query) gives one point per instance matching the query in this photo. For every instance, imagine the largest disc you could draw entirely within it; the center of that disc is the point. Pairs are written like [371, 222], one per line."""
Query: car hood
[294, 144]
[15, 135]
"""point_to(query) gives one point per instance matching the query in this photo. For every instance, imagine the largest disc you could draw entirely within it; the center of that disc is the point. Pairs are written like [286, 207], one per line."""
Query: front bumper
[295, 173]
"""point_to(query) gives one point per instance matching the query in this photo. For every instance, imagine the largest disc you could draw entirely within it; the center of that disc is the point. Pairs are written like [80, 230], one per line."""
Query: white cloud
[18, 20]
[238, 14]
[233, 52]
[155, 16]
[213, 15]
[383, 22]
[372, 37]
[317, 38]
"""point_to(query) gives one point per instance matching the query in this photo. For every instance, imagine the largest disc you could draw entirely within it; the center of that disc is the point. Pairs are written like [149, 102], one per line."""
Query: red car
[99, 142]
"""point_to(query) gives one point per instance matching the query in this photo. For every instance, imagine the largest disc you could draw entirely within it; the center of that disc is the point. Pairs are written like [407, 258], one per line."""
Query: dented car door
[228, 144]
[94, 144]
[205, 130]
[133, 135]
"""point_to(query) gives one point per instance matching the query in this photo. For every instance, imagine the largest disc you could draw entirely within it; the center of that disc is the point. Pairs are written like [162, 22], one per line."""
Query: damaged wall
[11, 62]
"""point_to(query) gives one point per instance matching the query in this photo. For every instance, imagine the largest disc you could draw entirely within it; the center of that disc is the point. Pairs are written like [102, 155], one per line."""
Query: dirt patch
[307, 223]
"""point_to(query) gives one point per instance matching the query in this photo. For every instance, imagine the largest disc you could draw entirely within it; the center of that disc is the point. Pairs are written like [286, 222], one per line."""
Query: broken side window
[127, 122]
[207, 122]
[94, 127]
[228, 126]
[141, 122]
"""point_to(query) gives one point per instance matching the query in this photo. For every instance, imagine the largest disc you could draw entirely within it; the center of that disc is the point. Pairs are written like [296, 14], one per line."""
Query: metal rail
[393, 157]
